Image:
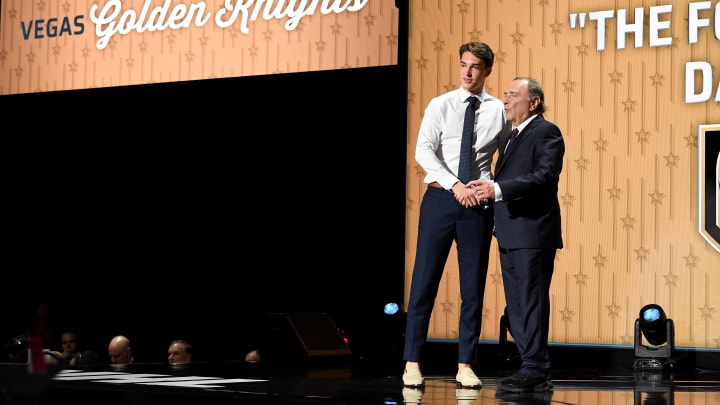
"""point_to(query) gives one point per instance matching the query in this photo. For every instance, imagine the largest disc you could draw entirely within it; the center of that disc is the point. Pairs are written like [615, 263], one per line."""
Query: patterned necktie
[465, 168]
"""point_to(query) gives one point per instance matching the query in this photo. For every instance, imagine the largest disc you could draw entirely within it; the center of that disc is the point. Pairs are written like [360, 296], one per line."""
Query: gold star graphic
[568, 199]
[629, 105]
[336, 28]
[569, 86]
[614, 193]
[671, 279]
[580, 278]
[171, 38]
[615, 77]
[517, 37]
[475, 34]
[600, 260]
[628, 222]
[691, 140]
[567, 315]
[409, 203]
[369, 20]
[268, 34]
[642, 136]
[671, 160]
[556, 27]
[706, 312]
[438, 45]
[448, 307]
[421, 63]
[600, 144]
[691, 260]
[657, 80]
[656, 197]
[463, 7]
[641, 253]
[581, 163]
[392, 39]
[496, 278]
[582, 49]
[613, 310]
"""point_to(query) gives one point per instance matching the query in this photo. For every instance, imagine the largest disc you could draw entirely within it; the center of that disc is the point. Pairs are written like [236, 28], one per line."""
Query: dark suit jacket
[528, 173]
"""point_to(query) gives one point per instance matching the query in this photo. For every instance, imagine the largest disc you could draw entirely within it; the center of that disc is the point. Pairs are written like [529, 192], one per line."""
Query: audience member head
[69, 344]
[253, 356]
[179, 352]
[120, 351]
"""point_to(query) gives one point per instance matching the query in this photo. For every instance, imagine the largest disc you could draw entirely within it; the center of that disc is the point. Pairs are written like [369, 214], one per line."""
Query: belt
[435, 184]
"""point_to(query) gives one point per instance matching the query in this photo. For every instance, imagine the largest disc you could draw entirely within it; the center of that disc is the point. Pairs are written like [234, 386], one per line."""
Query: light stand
[660, 334]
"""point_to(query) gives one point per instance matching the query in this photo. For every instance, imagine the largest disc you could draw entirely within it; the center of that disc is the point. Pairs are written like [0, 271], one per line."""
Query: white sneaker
[466, 396]
[412, 395]
[412, 377]
[467, 378]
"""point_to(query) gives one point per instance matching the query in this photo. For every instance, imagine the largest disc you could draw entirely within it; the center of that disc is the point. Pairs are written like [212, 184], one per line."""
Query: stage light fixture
[391, 308]
[659, 332]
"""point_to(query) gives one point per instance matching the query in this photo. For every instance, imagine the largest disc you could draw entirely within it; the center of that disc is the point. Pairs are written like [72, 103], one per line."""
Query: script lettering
[111, 19]
[295, 10]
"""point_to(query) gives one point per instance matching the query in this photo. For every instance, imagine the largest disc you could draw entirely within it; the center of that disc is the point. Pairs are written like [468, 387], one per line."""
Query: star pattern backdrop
[629, 186]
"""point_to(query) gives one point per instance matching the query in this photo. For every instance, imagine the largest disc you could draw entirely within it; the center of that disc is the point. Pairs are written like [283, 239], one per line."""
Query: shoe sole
[414, 385]
[544, 387]
[458, 384]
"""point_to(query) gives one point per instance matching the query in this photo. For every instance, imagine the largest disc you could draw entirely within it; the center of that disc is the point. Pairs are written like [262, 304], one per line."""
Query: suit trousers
[526, 277]
[444, 221]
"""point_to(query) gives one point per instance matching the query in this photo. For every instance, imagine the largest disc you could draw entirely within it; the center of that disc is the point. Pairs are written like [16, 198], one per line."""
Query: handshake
[476, 192]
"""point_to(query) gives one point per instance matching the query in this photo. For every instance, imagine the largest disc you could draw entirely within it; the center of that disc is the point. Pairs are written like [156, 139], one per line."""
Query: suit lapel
[505, 137]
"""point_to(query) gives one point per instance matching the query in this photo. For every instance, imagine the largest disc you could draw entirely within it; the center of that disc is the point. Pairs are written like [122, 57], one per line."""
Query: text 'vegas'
[52, 27]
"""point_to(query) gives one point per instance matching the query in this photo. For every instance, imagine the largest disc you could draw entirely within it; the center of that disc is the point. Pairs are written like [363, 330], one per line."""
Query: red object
[37, 363]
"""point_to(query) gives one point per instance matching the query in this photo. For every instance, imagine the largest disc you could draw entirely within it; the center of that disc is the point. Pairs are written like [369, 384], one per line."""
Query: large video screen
[634, 87]
[65, 45]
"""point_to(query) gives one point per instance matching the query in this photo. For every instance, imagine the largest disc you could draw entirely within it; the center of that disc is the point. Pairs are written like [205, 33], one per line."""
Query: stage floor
[240, 382]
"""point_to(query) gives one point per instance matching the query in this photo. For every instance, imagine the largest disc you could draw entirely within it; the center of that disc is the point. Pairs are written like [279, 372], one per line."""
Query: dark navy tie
[465, 168]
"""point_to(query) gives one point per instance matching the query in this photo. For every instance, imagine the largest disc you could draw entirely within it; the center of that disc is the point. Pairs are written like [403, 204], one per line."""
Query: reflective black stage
[352, 382]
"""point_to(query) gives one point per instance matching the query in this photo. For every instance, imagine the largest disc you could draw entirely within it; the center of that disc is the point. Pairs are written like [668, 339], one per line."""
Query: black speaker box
[303, 337]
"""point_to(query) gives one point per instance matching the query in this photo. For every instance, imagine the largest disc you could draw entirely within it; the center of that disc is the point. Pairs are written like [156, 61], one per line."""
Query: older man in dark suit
[527, 227]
